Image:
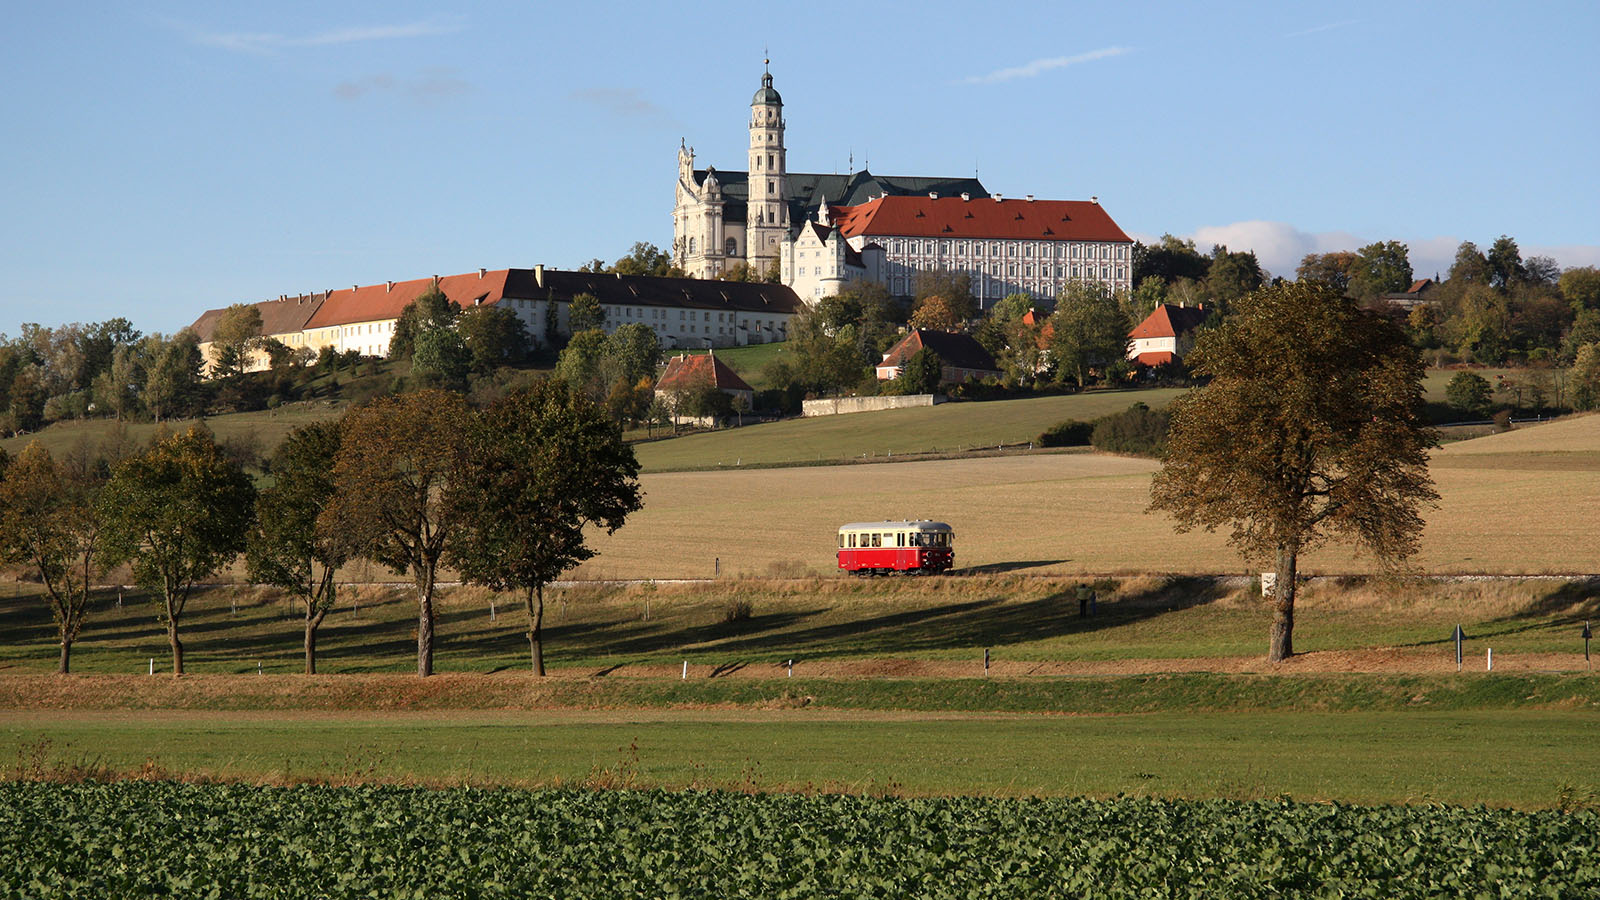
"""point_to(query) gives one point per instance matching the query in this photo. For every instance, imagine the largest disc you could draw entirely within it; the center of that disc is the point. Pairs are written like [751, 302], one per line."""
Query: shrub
[1071, 433]
[737, 611]
[1138, 430]
[1502, 420]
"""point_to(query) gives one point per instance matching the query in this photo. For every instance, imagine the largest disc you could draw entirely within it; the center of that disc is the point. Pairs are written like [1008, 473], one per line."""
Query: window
[691, 245]
[769, 160]
[877, 539]
[852, 540]
[732, 247]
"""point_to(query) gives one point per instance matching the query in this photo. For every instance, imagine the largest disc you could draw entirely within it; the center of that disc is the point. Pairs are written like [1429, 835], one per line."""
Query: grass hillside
[948, 427]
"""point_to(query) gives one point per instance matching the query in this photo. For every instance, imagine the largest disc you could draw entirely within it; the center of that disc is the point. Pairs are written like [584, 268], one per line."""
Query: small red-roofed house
[1419, 293]
[686, 372]
[1166, 335]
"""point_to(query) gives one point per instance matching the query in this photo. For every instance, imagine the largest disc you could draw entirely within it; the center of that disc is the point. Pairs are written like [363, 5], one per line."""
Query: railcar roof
[919, 524]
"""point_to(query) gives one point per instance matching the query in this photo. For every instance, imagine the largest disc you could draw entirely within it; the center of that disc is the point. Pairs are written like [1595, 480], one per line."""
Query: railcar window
[899, 539]
[852, 541]
[877, 539]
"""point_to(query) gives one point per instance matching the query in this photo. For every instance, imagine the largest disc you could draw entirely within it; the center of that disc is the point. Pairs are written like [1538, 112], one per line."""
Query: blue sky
[163, 158]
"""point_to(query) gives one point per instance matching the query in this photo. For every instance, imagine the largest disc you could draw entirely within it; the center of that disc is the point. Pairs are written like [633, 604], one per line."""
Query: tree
[1470, 266]
[1505, 263]
[442, 354]
[546, 464]
[818, 360]
[178, 512]
[1310, 429]
[954, 287]
[1380, 268]
[1580, 287]
[1232, 275]
[632, 353]
[494, 336]
[1333, 268]
[238, 333]
[48, 523]
[173, 385]
[1470, 393]
[1089, 329]
[645, 259]
[1585, 378]
[936, 313]
[431, 311]
[922, 373]
[582, 362]
[393, 481]
[1169, 259]
[288, 546]
[584, 313]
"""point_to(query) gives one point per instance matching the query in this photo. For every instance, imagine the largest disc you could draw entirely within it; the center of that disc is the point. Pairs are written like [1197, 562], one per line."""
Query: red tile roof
[285, 315]
[683, 372]
[1169, 321]
[961, 351]
[953, 217]
[386, 301]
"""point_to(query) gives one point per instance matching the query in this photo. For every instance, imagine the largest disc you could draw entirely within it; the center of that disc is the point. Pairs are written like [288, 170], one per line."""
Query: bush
[737, 611]
[1502, 420]
[1139, 430]
[1071, 433]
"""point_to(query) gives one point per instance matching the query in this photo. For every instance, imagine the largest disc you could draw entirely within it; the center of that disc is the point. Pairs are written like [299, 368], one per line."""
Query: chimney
[354, 288]
[538, 274]
[390, 288]
[482, 271]
[998, 198]
[1030, 198]
[933, 195]
[1095, 200]
[965, 196]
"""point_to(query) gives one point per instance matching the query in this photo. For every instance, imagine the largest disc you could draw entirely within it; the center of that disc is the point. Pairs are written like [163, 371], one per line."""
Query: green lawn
[751, 362]
[1522, 758]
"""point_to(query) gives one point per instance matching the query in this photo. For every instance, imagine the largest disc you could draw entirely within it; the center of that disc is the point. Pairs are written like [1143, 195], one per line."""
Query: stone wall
[834, 406]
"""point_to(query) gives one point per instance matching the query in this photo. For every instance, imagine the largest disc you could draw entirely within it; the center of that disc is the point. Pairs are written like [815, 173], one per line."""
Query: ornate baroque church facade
[823, 231]
[726, 218]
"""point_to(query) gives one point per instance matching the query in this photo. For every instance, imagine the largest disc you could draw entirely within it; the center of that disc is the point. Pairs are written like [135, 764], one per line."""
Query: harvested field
[1524, 502]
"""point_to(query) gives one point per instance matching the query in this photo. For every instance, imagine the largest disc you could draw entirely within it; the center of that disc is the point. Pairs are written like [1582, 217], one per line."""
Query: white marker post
[1491, 660]
[791, 668]
[152, 665]
[686, 670]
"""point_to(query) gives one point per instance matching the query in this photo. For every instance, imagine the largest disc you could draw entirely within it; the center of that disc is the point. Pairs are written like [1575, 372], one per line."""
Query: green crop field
[239, 841]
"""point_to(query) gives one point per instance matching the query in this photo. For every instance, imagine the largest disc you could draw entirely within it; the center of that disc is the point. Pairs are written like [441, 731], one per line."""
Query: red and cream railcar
[896, 548]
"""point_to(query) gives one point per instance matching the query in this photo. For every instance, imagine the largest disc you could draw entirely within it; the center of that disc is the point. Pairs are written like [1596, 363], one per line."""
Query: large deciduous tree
[1380, 268]
[397, 465]
[1310, 429]
[546, 463]
[288, 546]
[48, 522]
[1089, 329]
[178, 512]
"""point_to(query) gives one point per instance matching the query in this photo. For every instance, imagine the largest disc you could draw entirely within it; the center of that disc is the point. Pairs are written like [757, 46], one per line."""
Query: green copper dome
[766, 96]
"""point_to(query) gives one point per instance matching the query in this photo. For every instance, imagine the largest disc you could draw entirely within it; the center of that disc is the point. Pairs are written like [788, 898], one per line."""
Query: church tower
[767, 212]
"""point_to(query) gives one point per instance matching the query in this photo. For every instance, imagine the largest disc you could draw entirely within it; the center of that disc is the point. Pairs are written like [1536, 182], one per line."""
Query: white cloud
[431, 84]
[267, 42]
[1041, 66]
[1280, 246]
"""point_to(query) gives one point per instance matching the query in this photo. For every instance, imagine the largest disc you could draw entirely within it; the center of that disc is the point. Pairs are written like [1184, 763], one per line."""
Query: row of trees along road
[415, 482]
